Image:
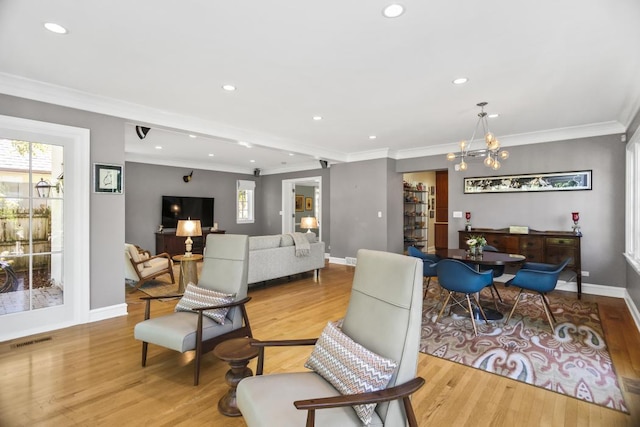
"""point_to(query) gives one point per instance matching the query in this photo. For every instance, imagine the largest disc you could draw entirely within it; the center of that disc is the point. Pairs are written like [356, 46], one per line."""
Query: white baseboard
[107, 312]
[335, 260]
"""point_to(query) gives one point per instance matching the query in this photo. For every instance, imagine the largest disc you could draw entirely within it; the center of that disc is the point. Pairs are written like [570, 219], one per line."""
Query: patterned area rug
[573, 361]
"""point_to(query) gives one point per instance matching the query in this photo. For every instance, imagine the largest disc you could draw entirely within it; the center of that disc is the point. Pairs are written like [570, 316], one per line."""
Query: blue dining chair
[540, 278]
[429, 262]
[498, 270]
[456, 276]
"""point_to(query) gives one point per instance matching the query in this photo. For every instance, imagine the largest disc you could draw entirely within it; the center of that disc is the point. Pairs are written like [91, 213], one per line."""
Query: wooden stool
[237, 352]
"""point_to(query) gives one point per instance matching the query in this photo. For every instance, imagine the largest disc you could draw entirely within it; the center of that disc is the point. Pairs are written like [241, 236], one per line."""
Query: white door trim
[77, 173]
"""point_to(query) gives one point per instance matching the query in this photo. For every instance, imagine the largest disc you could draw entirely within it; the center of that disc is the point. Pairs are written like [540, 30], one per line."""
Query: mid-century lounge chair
[224, 270]
[384, 317]
[142, 267]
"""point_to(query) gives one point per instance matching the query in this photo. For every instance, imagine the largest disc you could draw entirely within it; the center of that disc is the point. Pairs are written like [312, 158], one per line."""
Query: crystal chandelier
[492, 153]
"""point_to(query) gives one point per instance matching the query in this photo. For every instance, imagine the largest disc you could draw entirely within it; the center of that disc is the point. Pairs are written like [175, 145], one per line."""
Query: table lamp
[309, 222]
[189, 228]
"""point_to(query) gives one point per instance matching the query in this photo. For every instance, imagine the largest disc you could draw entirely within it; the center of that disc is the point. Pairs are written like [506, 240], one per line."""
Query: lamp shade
[309, 222]
[188, 228]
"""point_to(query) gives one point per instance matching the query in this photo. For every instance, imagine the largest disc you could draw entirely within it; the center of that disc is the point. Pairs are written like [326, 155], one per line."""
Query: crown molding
[136, 113]
[551, 135]
[63, 96]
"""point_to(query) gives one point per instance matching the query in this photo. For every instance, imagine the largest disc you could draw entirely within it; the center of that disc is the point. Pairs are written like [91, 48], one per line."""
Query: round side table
[237, 352]
[188, 270]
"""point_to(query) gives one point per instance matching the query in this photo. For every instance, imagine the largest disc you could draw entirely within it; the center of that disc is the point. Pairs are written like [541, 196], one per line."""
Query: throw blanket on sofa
[303, 248]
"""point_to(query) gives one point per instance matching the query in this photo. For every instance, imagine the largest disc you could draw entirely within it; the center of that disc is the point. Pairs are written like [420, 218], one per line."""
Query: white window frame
[632, 221]
[248, 187]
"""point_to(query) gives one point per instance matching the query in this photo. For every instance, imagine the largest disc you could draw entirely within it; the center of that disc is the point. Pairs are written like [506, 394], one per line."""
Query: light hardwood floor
[91, 375]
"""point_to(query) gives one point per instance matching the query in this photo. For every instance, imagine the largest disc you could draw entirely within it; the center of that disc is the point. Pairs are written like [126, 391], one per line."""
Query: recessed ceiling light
[460, 81]
[244, 144]
[252, 161]
[192, 136]
[317, 118]
[493, 116]
[211, 154]
[229, 88]
[158, 147]
[55, 28]
[393, 10]
[372, 137]
[291, 154]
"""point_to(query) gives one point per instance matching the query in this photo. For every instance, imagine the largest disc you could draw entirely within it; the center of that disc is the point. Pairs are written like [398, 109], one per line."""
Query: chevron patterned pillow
[350, 367]
[195, 296]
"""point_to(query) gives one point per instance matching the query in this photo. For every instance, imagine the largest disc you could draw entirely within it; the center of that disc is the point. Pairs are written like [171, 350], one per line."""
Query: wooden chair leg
[145, 346]
[547, 312]
[484, 316]
[443, 306]
[473, 321]
[546, 300]
[408, 410]
[514, 306]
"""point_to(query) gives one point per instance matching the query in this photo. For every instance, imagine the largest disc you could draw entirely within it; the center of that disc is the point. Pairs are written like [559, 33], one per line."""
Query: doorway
[301, 197]
[44, 206]
[426, 197]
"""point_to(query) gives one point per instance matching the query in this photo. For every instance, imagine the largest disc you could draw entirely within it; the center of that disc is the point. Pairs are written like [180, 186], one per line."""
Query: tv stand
[167, 241]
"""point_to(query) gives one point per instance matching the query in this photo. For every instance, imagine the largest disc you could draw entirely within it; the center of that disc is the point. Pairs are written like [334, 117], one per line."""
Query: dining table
[486, 258]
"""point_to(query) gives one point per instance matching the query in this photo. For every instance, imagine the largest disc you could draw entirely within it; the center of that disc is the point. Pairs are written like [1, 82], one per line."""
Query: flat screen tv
[175, 208]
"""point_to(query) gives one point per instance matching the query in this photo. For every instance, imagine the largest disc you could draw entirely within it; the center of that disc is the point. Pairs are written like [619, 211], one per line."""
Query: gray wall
[271, 202]
[146, 184]
[107, 210]
[359, 191]
[601, 209]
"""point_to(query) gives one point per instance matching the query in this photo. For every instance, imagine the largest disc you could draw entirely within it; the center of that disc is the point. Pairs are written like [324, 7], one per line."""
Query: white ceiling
[552, 69]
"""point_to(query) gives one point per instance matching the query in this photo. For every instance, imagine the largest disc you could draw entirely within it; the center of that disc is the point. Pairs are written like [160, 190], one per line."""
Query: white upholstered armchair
[200, 327]
[384, 317]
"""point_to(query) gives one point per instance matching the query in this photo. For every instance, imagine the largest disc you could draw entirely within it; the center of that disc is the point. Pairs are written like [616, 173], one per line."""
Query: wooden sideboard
[167, 241]
[551, 247]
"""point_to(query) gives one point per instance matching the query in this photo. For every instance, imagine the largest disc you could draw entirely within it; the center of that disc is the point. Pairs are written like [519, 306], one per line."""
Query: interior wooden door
[441, 227]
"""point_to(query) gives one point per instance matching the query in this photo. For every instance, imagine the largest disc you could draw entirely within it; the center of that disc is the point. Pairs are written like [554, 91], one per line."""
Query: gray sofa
[274, 256]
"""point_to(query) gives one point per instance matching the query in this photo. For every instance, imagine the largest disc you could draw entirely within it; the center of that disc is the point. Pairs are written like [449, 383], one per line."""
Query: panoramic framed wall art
[555, 181]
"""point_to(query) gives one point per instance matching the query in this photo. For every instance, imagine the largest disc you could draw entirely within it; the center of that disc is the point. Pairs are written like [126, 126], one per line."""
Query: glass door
[31, 226]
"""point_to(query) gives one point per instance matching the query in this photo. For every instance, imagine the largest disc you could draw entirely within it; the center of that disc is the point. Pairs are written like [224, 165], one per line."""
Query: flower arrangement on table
[476, 243]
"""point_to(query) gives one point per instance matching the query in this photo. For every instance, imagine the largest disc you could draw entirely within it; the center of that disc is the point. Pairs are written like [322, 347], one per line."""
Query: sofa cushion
[350, 367]
[264, 242]
[286, 240]
[195, 296]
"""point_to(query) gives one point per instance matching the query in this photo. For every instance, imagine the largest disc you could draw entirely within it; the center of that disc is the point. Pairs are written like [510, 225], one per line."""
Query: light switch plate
[457, 214]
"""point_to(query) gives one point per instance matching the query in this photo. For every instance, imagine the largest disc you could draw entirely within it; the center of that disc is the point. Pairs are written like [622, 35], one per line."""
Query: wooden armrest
[148, 297]
[277, 343]
[284, 343]
[231, 304]
[388, 394]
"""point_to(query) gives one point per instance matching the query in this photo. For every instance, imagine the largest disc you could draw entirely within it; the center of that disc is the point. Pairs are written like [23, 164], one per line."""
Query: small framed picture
[108, 178]
[308, 204]
[299, 203]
